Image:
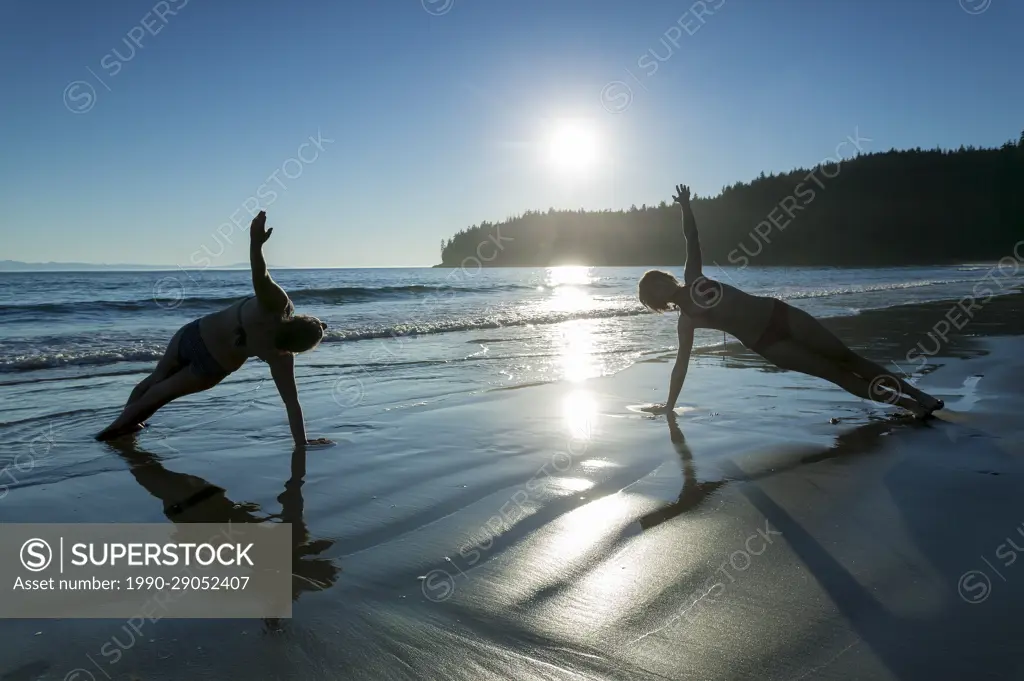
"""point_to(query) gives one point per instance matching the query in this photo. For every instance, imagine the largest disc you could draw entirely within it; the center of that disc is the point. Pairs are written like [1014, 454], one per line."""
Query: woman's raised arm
[694, 269]
[270, 296]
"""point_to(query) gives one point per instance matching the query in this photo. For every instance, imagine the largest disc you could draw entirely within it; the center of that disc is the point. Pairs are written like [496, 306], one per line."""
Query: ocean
[449, 329]
[76, 342]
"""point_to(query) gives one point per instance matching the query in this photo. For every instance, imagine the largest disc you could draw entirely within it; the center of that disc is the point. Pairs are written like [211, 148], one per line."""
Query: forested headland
[889, 208]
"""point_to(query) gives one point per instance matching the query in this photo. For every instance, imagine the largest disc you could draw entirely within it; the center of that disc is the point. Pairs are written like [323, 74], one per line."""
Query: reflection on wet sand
[693, 492]
[191, 499]
[856, 442]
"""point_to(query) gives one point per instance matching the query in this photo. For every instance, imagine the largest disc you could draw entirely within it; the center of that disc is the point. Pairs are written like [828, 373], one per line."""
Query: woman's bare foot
[112, 433]
[922, 411]
[932, 404]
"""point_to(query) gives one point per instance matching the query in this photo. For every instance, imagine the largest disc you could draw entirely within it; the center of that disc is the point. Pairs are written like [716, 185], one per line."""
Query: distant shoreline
[28, 267]
[42, 268]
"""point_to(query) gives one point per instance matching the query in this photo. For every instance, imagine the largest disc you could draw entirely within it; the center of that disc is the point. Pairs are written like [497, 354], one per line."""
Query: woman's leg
[810, 333]
[792, 355]
[179, 384]
[873, 372]
[167, 365]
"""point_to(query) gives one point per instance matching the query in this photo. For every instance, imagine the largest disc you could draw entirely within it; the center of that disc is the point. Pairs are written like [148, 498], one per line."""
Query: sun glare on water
[568, 275]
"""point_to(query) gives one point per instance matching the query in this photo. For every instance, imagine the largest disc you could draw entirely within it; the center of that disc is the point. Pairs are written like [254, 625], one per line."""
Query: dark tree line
[885, 208]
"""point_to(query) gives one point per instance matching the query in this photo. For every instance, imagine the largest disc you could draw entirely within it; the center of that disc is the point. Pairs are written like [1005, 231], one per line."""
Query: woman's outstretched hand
[258, 232]
[682, 196]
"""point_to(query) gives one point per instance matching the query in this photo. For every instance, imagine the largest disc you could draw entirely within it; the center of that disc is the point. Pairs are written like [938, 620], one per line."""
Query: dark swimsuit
[193, 353]
[777, 330]
[778, 324]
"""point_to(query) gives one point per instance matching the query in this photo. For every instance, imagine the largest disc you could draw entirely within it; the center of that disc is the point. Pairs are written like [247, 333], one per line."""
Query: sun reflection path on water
[568, 289]
[575, 275]
[576, 340]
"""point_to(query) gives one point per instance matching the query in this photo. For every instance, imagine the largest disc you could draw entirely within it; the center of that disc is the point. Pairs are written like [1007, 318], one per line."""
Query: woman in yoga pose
[202, 353]
[784, 335]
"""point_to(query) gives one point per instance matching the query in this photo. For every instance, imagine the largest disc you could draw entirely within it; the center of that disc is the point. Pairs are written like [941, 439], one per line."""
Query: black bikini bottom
[777, 329]
[193, 353]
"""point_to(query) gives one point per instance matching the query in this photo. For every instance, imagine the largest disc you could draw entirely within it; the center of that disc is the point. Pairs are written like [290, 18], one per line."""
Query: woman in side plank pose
[203, 352]
[784, 335]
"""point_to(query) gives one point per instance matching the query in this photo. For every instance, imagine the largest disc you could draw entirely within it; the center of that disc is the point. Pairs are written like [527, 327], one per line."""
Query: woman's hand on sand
[682, 196]
[258, 232]
[657, 409]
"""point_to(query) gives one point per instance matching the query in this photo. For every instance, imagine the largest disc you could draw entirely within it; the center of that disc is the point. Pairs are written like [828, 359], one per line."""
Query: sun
[573, 146]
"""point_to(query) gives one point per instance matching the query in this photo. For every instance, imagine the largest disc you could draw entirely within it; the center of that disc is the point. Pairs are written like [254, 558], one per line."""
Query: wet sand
[552, 532]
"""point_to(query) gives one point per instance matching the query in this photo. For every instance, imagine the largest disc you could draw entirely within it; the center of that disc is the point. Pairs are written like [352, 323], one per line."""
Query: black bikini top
[704, 298]
[240, 339]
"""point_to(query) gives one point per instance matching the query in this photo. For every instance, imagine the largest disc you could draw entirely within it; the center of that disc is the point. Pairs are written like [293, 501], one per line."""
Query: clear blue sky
[439, 121]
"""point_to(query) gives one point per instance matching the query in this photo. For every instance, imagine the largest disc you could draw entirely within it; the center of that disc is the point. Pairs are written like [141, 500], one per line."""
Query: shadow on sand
[945, 494]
